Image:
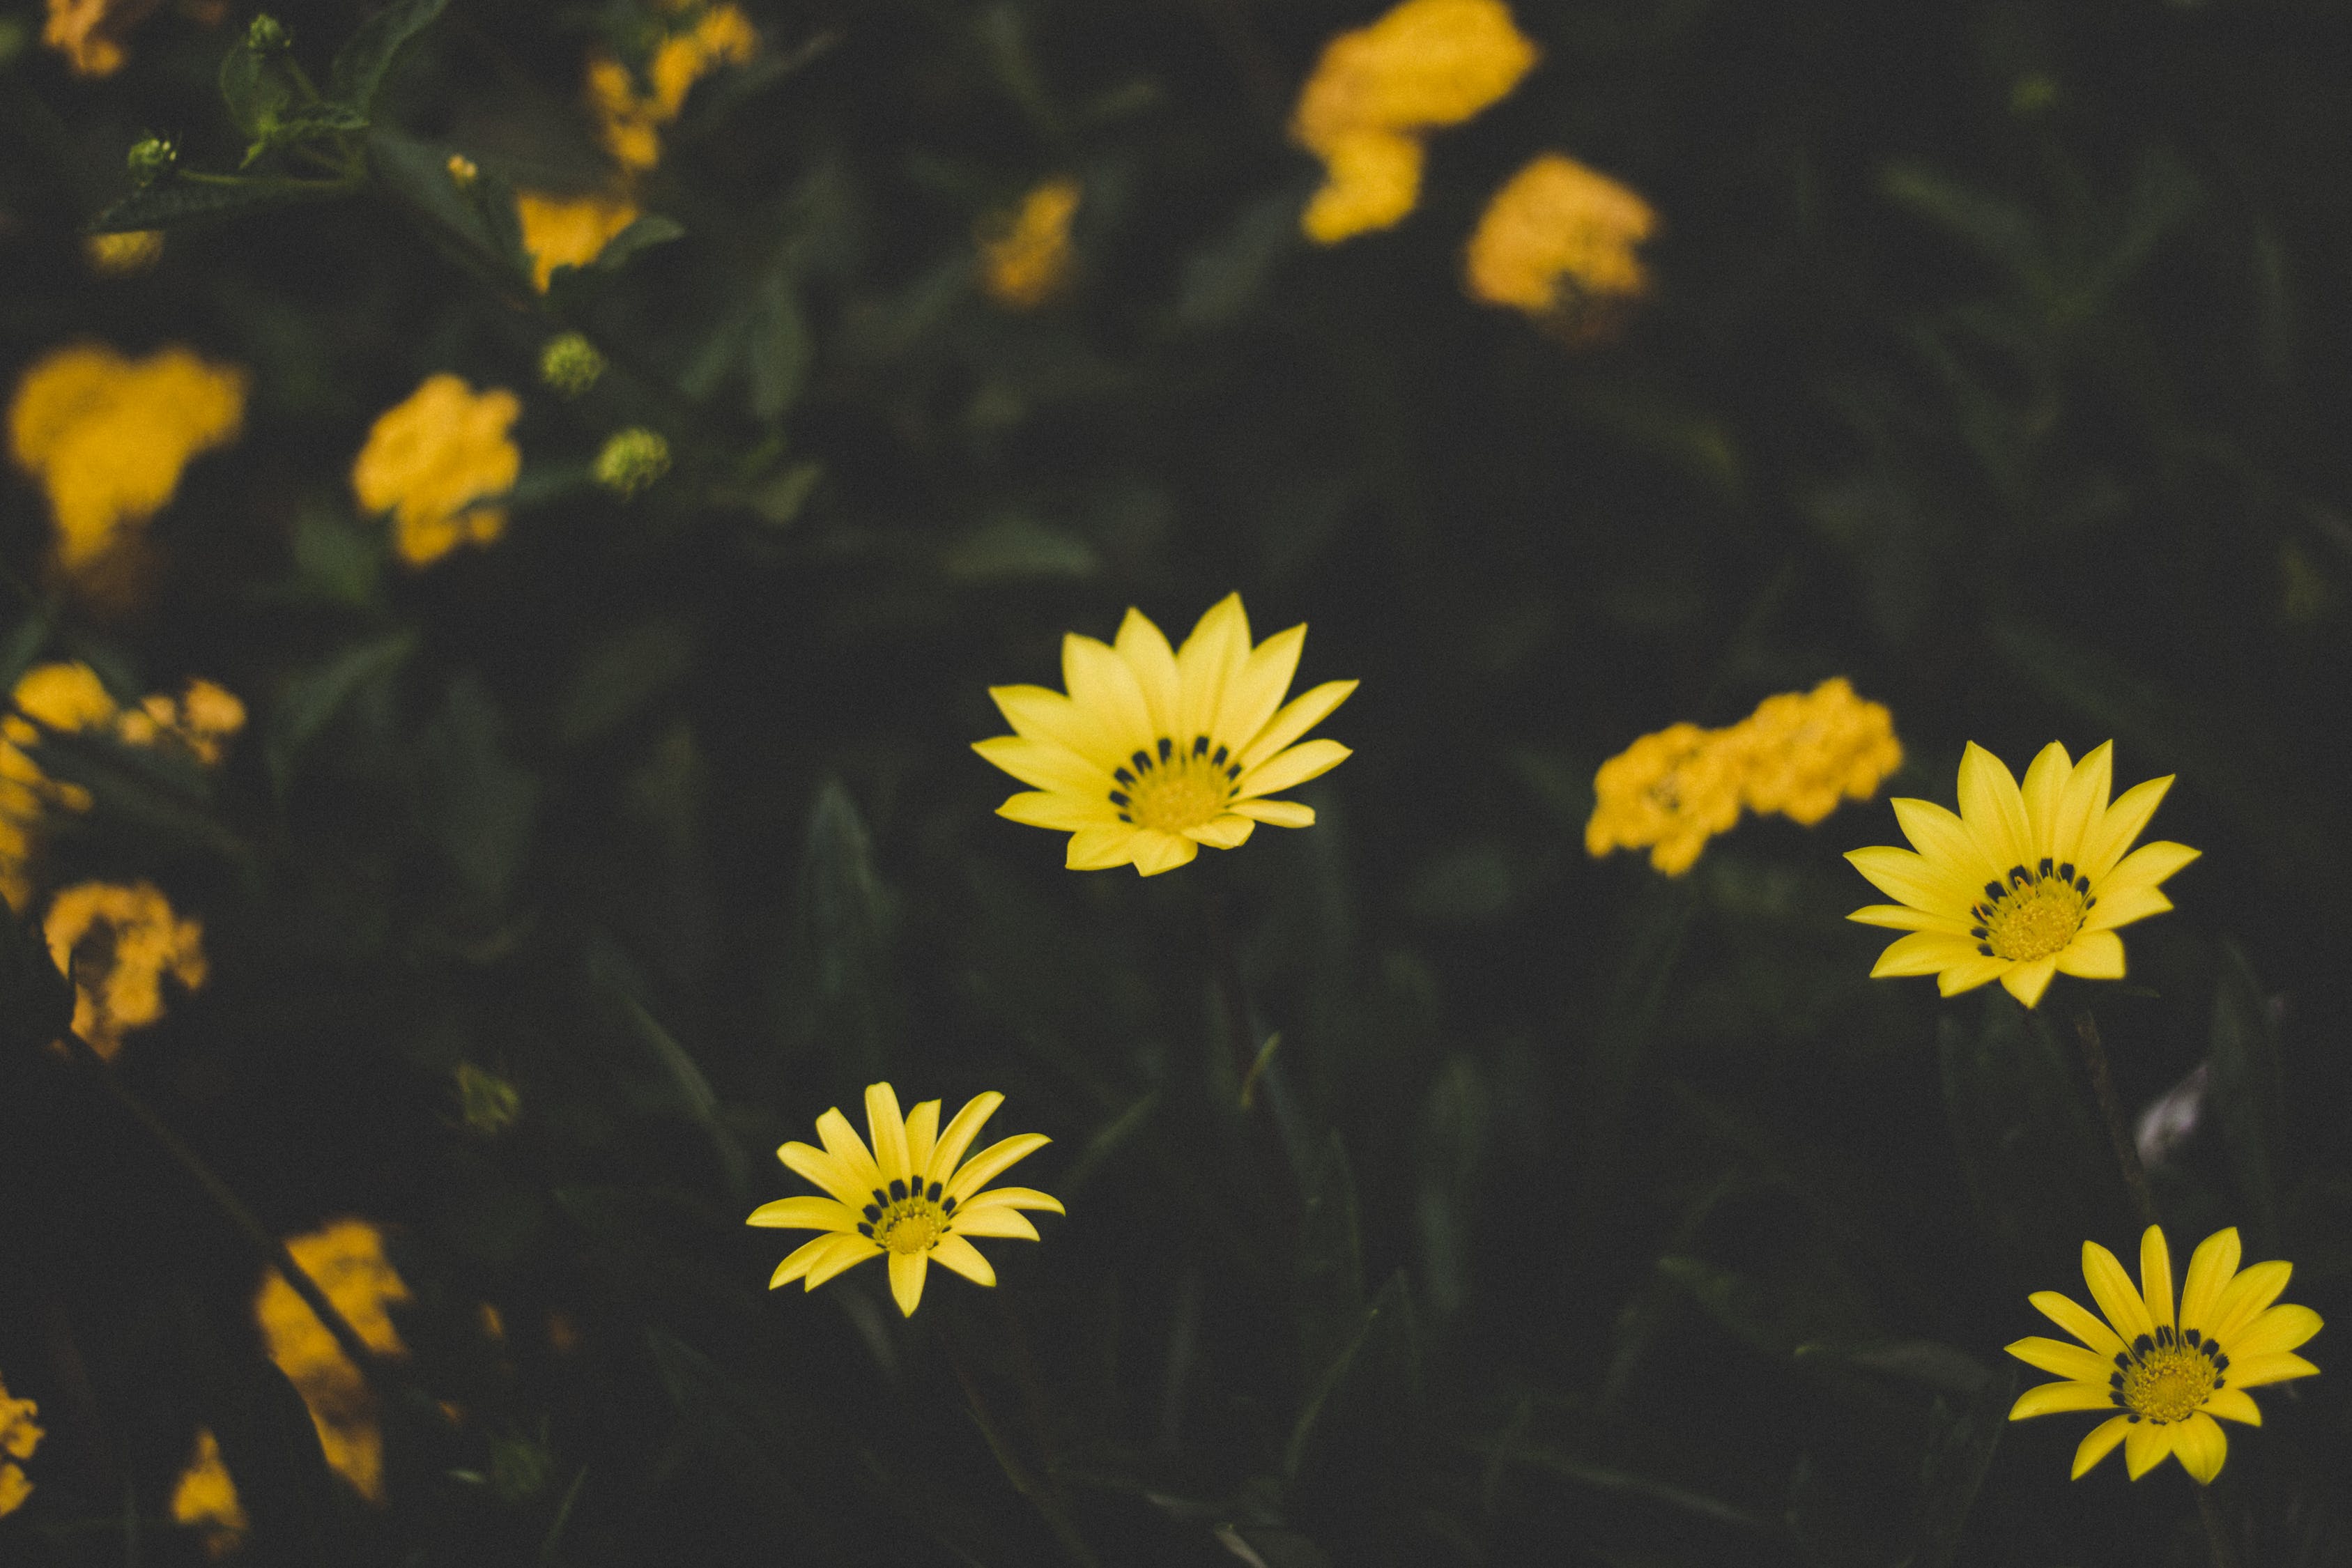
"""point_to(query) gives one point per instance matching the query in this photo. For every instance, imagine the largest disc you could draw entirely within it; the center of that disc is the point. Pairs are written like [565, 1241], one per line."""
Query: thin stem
[2217, 1534]
[232, 1207]
[2103, 1086]
[1228, 965]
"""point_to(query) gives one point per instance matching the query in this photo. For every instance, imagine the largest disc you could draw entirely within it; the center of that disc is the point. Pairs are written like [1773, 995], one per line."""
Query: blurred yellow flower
[2165, 1379]
[18, 1439]
[116, 942]
[1025, 258]
[913, 1198]
[89, 33]
[2022, 884]
[568, 231]
[64, 697]
[1425, 64]
[201, 719]
[108, 437]
[205, 1501]
[125, 255]
[346, 1257]
[1668, 793]
[434, 460]
[1155, 753]
[629, 122]
[463, 170]
[1805, 751]
[1558, 242]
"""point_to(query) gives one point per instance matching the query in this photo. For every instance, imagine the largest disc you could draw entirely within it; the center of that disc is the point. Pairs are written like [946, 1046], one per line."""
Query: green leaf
[844, 937]
[777, 348]
[695, 1098]
[255, 87]
[186, 199]
[1928, 1362]
[621, 675]
[1611, 1480]
[1329, 1269]
[368, 53]
[311, 700]
[2249, 1085]
[1362, 1418]
[1017, 545]
[2001, 231]
[2036, 1165]
[23, 641]
[479, 804]
[737, 1430]
[1225, 277]
[1771, 1316]
[1960, 1447]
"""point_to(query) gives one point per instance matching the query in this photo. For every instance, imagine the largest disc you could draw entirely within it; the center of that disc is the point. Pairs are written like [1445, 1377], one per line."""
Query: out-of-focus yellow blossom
[346, 1257]
[1668, 793]
[1806, 750]
[629, 122]
[1425, 64]
[434, 460]
[202, 719]
[108, 437]
[568, 231]
[117, 942]
[1026, 258]
[67, 696]
[125, 255]
[205, 1498]
[18, 1439]
[1558, 241]
[1799, 754]
[89, 33]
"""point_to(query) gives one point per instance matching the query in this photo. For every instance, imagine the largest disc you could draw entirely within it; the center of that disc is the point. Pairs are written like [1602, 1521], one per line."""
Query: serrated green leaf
[184, 199]
[368, 55]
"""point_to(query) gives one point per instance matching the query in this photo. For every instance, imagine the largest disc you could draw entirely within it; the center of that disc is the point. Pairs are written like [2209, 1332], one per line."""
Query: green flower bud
[571, 364]
[631, 461]
[266, 34]
[151, 158]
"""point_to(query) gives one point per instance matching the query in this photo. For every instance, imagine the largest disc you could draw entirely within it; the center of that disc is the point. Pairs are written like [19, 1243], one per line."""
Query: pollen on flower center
[2163, 1378]
[907, 1219]
[2031, 914]
[1171, 789]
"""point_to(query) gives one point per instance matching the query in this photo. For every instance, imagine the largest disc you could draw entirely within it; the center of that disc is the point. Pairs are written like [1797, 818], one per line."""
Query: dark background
[1995, 359]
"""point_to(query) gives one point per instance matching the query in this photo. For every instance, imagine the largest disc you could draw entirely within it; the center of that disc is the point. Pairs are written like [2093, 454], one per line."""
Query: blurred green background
[1995, 359]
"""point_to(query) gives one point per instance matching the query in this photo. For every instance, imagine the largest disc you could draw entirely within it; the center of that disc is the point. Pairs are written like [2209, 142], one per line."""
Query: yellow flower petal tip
[1154, 752]
[2027, 881]
[1799, 755]
[2162, 1374]
[910, 1195]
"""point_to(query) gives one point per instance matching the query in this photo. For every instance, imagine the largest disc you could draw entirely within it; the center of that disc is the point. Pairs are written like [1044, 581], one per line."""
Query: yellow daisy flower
[1155, 753]
[908, 1199]
[2166, 1378]
[2022, 884]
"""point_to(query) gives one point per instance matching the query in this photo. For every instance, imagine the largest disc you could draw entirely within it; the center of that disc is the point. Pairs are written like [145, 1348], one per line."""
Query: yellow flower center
[2164, 1377]
[1172, 788]
[907, 1219]
[2031, 914]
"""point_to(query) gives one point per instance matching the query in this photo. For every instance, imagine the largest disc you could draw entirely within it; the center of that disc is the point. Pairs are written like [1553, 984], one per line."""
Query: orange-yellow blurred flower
[108, 437]
[89, 33]
[1026, 258]
[1558, 241]
[629, 121]
[126, 253]
[116, 943]
[346, 1257]
[1798, 755]
[1425, 64]
[434, 460]
[18, 1439]
[201, 719]
[205, 1501]
[568, 231]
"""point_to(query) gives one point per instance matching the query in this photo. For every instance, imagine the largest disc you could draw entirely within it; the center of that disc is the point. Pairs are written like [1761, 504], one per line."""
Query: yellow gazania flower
[1153, 752]
[434, 460]
[2168, 1378]
[568, 231]
[346, 1258]
[908, 1199]
[1025, 258]
[1558, 242]
[2020, 885]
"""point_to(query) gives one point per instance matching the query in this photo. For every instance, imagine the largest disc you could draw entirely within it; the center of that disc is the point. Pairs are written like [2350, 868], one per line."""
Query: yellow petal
[1229, 831]
[2100, 1442]
[842, 1142]
[1105, 685]
[2113, 1291]
[977, 1171]
[1286, 770]
[1275, 813]
[2210, 1268]
[1014, 1198]
[954, 1252]
[1211, 657]
[2145, 867]
[1924, 953]
[2045, 786]
[960, 1131]
[1041, 714]
[804, 1214]
[804, 1255]
[2122, 908]
[1944, 840]
[2049, 1398]
[2156, 1277]
[1903, 917]
[2080, 1322]
[2105, 841]
[890, 1130]
[2058, 1357]
[2282, 1327]
[1156, 852]
[1994, 811]
[907, 1270]
[844, 1181]
[922, 1133]
[2094, 955]
[1062, 813]
[1100, 848]
[1252, 696]
[2260, 1371]
[2145, 1447]
[1147, 653]
[2027, 982]
[2083, 802]
[1968, 976]
[1297, 716]
[994, 1222]
[2200, 1446]
[2243, 1299]
[1915, 880]
[845, 1252]
[2233, 1404]
[1045, 765]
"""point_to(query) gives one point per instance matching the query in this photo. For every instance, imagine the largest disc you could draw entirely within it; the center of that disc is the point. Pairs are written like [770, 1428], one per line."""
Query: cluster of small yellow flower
[18, 1439]
[204, 1498]
[437, 461]
[1798, 755]
[630, 120]
[347, 1260]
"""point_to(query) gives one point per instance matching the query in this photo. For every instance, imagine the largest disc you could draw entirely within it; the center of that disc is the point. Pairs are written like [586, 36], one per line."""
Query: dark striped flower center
[1170, 788]
[2031, 914]
[908, 1218]
[2165, 1377]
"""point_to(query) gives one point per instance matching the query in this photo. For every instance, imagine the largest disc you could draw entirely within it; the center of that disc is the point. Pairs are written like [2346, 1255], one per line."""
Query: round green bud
[151, 158]
[266, 34]
[571, 364]
[631, 461]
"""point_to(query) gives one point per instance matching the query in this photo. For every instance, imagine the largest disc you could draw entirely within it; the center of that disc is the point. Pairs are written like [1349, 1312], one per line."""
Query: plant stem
[1227, 962]
[2217, 1534]
[2111, 1110]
